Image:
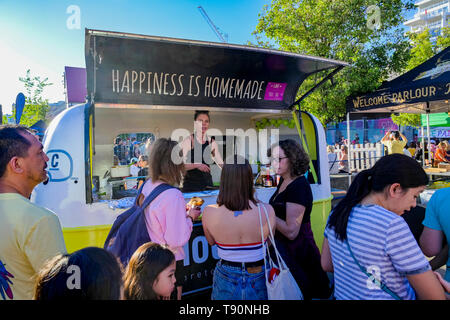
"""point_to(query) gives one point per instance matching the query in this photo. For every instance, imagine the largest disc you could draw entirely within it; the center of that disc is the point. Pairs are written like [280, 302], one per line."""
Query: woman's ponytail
[358, 190]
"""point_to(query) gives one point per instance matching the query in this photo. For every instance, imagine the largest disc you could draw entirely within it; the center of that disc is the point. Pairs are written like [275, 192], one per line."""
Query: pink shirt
[166, 219]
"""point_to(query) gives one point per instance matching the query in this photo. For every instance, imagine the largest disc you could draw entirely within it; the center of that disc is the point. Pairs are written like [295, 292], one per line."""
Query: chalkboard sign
[132, 69]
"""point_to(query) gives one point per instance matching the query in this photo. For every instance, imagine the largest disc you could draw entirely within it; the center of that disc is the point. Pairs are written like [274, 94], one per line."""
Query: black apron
[196, 180]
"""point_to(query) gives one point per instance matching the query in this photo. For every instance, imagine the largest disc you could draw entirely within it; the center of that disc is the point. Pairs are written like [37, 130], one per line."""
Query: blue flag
[20, 104]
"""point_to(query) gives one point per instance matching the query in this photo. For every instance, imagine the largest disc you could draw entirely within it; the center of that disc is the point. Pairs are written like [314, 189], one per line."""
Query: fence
[364, 156]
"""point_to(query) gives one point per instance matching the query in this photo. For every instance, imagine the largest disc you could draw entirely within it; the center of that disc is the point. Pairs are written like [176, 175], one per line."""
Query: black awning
[423, 89]
[136, 69]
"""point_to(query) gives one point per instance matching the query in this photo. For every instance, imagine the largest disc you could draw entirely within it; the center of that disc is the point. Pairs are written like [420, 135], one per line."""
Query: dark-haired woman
[88, 274]
[366, 235]
[234, 226]
[199, 152]
[293, 201]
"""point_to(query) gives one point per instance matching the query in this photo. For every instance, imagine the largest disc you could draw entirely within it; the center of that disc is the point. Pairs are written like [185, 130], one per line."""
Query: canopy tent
[424, 89]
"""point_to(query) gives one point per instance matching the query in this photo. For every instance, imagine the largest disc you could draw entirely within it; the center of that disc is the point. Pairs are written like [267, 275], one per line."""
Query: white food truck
[148, 87]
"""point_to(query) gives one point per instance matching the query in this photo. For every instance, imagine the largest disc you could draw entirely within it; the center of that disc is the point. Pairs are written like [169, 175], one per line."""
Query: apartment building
[432, 14]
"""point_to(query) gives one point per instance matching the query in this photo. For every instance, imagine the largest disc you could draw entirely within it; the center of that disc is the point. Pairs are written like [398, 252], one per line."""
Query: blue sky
[34, 34]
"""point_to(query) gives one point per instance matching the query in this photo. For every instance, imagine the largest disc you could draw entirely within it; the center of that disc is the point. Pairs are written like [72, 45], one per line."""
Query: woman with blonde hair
[441, 153]
[166, 218]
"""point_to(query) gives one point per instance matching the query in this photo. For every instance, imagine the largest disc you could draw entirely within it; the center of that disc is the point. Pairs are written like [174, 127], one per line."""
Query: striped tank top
[248, 252]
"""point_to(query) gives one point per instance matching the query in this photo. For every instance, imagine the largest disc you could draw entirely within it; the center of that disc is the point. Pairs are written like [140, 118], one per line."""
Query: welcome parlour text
[171, 84]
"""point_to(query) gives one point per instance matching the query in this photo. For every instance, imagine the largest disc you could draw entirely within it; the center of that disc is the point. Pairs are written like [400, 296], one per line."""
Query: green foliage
[422, 49]
[265, 123]
[35, 106]
[338, 29]
[443, 41]
[406, 119]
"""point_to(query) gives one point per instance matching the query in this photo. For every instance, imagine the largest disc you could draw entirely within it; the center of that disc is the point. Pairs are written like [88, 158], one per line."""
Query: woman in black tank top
[199, 155]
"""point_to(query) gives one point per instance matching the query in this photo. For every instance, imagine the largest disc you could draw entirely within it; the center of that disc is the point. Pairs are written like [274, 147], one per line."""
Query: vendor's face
[202, 122]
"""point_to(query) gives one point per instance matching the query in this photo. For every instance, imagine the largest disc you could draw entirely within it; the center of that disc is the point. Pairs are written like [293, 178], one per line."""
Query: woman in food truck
[198, 172]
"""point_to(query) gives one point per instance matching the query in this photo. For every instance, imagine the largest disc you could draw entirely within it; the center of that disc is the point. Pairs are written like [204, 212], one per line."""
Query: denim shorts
[235, 283]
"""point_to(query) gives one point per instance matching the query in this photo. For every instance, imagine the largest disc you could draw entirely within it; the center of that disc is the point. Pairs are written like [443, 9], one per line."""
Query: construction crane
[222, 36]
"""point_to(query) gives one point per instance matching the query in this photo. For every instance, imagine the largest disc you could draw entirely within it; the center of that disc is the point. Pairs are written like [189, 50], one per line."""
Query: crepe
[196, 202]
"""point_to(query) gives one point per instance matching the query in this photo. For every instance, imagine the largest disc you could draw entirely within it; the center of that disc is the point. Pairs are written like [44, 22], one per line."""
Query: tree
[35, 106]
[342, 30]
[422, 49]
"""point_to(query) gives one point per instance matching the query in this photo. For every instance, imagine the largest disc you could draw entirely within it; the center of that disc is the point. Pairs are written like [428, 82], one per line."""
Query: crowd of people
[365, 236]
[129, 151]
[438, 151]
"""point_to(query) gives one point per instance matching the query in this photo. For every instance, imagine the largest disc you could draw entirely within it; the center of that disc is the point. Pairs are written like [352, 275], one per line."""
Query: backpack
[129, 230]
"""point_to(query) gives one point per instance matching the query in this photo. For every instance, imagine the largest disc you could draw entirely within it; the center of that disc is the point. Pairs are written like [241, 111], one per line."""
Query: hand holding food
[195, 202]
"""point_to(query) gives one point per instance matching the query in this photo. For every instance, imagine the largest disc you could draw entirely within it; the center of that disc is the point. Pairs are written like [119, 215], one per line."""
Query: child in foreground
[150, 274]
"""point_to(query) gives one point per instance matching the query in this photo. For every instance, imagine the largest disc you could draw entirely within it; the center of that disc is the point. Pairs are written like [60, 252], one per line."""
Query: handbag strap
[379, 283]
[281, 264]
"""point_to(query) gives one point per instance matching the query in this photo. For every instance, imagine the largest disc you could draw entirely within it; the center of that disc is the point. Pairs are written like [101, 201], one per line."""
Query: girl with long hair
[150, 274]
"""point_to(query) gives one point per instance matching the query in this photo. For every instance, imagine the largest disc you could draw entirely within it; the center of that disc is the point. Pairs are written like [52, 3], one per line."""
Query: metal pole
[429, 139]
[423, 147]
[349, 153]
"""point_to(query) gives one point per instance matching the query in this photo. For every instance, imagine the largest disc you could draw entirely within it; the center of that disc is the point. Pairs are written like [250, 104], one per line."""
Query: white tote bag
[284, 286]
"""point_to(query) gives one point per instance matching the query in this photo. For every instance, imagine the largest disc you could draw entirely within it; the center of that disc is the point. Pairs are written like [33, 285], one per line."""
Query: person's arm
[439, 155]
[440, 259]
[175, 223]
[294, 216]
[408, 260]
[427, 286]
[445, 285]
[386, 137]
[431, 241]
[205, 223]
[403, 137]
[217, 156]
[325, 257]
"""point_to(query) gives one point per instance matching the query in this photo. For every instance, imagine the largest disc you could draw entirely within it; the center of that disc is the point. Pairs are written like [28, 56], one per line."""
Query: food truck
[148, 87]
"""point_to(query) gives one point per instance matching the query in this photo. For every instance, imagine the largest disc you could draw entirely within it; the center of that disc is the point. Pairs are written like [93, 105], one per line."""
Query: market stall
[140, 84]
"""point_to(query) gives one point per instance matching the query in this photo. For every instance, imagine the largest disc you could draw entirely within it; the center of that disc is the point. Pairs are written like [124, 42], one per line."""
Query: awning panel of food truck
[154, 71]
[424, 89]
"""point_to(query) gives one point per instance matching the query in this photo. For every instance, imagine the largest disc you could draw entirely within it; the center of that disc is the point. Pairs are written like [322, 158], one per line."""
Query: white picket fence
[364, 156]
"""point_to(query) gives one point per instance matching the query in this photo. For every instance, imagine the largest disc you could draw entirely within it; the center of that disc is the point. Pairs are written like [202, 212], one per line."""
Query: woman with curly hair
[293, 201]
